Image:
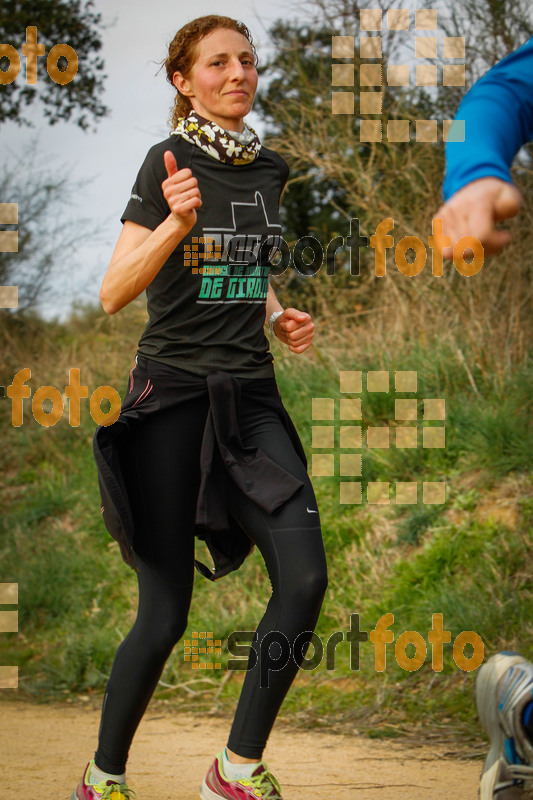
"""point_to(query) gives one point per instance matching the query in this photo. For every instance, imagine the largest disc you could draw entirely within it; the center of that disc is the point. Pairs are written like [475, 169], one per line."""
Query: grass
[469, 559]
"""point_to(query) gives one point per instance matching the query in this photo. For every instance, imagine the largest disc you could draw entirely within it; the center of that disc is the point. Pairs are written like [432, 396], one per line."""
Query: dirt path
[43, 749]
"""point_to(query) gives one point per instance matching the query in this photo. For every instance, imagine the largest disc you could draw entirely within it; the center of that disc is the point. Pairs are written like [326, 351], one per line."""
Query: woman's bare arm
[140, 253]
[138, 256]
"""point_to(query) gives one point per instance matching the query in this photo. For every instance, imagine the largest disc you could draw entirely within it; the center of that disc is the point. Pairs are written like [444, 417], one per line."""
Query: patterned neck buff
[227, 146]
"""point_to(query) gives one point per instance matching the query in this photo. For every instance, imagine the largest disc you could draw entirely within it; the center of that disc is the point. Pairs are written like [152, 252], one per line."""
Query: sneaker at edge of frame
[504, 687]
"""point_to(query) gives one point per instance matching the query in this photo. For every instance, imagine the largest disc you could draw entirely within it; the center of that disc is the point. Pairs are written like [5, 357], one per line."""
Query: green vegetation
[469, 559]
[468, 339]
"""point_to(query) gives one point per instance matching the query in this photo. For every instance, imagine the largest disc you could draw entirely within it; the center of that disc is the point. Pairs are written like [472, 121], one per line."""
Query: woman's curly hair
[182, 53]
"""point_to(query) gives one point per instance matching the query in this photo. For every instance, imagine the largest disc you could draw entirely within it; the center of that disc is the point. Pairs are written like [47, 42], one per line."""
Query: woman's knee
[160, 636]
[316, 582]
[163, 609]
[308, 585]
[169, 632]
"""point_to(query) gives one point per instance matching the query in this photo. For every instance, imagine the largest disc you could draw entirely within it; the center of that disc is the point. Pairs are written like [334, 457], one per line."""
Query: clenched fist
[295, 328]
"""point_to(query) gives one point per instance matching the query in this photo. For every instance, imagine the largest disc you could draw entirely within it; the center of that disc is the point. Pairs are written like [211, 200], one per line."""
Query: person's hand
[181, 192]
[294, 328]
[474, 211]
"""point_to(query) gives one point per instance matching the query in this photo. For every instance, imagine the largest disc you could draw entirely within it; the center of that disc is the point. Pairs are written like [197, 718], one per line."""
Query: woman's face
[222, 82]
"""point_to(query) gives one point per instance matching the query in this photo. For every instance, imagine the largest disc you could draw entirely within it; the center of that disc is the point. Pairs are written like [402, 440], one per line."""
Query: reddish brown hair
[182, 53]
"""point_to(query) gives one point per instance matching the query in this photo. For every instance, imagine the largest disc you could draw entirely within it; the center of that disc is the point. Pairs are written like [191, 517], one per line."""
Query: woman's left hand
[294, 328]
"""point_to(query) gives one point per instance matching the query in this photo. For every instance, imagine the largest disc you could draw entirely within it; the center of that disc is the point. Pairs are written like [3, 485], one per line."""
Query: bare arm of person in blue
[478, 189]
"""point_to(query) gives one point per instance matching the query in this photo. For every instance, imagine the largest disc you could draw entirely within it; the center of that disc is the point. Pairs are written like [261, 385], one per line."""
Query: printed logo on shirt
[136, 197]
[222, 283]
[235, 265]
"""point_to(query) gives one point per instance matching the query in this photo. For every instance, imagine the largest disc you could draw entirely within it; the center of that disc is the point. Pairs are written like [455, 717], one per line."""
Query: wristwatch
[273, 318]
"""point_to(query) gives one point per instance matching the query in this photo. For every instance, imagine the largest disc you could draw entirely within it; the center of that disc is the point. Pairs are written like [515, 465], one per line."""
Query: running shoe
[262, 784]
[504, 686]
[106, 790]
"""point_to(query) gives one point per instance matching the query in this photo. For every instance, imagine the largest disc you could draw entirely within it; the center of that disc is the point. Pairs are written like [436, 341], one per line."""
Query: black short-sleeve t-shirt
[206, 305]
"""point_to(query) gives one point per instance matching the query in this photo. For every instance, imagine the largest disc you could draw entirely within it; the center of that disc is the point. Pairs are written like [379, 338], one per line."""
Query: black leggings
[163, 475]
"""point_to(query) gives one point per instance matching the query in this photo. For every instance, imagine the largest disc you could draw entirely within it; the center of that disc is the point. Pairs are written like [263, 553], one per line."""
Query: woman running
[203, 445]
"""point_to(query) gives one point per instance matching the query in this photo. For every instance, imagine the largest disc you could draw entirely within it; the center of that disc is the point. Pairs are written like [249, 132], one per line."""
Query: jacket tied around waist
[154, 386]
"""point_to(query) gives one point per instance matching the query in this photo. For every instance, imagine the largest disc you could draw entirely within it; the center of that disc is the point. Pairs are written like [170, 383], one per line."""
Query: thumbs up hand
[181, 192]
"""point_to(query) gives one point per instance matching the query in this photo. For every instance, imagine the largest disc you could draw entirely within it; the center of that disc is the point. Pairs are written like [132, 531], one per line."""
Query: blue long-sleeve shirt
[498, 115]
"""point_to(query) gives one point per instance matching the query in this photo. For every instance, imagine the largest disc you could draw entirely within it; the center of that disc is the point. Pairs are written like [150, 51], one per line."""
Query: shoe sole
[486, 685]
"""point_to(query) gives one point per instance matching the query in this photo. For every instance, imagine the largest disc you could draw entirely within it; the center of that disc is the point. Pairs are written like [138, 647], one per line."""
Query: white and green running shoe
[504, 687]
[106, 790]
